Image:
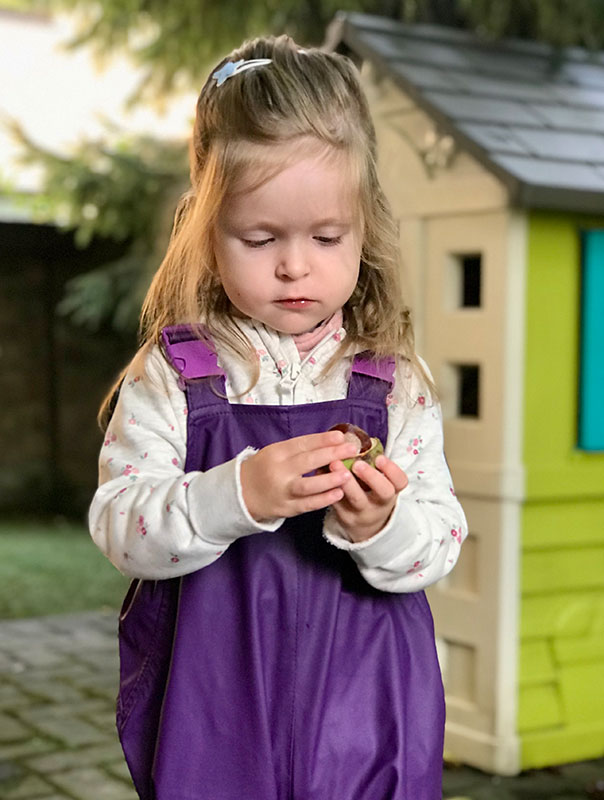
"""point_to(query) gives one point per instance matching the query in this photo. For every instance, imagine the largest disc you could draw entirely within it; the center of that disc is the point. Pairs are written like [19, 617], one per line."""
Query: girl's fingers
[354, 494]
[377, 482]
[309, 461]
[313, 441]
[318, 484]
[384, 482]
[393, 472]
[317, 501]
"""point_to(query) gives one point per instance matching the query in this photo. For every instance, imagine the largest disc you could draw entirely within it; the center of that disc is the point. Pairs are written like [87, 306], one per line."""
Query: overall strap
[191, 356]
[371, 378]
[195, 359]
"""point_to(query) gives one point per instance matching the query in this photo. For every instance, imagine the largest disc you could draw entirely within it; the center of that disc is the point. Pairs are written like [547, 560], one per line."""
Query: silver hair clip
[235, 67]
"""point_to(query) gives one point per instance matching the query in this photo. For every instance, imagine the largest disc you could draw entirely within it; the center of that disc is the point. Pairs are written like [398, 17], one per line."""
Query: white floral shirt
[153, 520]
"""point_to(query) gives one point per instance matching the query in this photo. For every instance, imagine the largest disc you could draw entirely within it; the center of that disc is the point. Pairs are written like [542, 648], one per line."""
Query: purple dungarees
[277, 672]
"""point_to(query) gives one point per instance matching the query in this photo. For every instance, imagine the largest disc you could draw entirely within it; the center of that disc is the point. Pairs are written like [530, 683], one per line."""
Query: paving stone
[11, 696]
[108, 694]
[25, 629]
[28, 747]
[66, 728]
[28, 787]
[93, 784]
[120, 770]
[15, 667]
[99, 661]
[6, 662]
[53, 797]
[38, 655]
[90, 683]
[56, 690]
[101, 620]
[9, 771]
[105, 720]
[12, 730]
[67, 671]
[63, 760]
[92, 705]
[80, 641]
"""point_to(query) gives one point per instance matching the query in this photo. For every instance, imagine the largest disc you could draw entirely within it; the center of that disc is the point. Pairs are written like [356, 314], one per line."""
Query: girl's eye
[328, 240]
[256, 242]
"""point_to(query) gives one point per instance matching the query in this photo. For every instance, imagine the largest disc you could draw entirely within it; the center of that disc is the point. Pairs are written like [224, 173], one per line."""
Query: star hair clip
[235, 67]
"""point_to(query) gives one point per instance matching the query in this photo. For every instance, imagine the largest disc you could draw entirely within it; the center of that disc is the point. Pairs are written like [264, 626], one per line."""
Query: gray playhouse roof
[531, 114]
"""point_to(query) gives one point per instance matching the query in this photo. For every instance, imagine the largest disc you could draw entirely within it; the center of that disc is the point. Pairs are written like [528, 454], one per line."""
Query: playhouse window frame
[590, 433]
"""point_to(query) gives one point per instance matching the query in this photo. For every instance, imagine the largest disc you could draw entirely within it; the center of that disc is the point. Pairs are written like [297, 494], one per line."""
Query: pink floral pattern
[129, 470]
[415, 445]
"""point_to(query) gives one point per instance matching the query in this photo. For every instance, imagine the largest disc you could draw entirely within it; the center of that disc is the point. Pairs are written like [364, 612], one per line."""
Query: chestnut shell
[369, 447]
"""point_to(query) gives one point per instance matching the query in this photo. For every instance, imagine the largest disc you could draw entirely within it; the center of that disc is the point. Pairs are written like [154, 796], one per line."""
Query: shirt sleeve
[421, 541]
[150, 518]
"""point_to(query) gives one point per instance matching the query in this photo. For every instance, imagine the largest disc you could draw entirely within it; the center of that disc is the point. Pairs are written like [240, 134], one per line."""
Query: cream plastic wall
[449, 206]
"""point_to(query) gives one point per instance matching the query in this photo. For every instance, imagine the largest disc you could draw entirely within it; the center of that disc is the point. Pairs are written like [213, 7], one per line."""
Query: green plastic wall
[561, 689]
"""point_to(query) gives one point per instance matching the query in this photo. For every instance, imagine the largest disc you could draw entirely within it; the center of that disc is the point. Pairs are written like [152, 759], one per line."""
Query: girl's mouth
[295, 302]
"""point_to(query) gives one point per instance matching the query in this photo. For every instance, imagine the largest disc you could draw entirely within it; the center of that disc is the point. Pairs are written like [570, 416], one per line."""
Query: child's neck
[305, 342]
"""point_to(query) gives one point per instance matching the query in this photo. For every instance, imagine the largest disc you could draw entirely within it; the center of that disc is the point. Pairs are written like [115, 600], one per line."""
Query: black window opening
[468, 390]
[470, 280]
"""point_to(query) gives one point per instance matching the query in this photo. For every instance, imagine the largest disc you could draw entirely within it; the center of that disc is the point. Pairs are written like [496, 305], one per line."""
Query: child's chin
[297, 330]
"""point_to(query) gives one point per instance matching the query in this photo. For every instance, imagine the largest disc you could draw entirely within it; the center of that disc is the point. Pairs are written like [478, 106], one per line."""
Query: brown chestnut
[369, 448]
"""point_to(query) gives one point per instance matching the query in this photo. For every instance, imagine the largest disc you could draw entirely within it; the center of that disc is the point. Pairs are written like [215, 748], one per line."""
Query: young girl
[276, 643]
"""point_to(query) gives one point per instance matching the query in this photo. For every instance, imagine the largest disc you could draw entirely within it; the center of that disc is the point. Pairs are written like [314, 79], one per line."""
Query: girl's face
[288, 252]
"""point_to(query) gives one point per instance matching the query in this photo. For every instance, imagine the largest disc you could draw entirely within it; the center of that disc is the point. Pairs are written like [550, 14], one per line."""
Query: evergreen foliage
[176, 42]
[119, 188]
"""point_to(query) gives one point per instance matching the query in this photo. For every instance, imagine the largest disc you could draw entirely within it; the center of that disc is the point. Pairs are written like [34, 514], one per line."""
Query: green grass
[54, 568]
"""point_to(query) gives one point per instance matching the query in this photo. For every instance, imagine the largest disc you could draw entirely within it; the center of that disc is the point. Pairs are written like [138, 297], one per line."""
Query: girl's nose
[292, 263]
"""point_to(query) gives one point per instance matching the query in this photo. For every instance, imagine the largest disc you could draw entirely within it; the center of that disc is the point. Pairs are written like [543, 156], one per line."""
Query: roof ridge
[447, 33]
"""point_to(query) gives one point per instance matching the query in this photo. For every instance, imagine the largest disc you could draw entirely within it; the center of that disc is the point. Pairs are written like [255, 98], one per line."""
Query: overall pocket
[146, 630]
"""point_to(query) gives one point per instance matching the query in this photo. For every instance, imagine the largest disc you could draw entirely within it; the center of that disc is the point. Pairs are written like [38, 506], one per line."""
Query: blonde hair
[300, 94]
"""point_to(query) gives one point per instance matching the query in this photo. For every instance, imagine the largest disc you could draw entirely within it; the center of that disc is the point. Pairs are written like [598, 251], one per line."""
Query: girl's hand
[273, 482]
[364, 513]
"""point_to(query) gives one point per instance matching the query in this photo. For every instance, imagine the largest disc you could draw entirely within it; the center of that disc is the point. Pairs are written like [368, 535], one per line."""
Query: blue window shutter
[591, 386]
